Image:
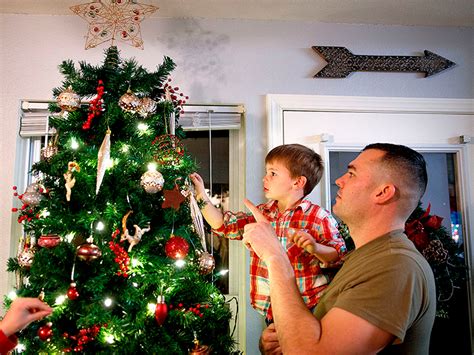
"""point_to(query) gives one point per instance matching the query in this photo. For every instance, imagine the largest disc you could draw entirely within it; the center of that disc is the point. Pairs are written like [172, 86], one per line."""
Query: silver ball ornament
[152, 181]
[33, 194]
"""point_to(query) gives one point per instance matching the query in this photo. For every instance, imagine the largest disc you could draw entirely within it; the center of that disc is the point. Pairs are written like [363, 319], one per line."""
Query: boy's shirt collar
[272, 205]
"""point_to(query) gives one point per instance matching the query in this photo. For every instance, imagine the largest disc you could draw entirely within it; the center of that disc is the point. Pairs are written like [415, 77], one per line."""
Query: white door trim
[278, 104]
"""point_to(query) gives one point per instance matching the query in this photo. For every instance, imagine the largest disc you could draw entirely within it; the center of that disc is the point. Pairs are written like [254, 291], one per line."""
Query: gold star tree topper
[111, 20]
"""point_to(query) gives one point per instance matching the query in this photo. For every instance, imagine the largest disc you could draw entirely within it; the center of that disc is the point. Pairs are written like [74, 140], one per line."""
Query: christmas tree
[113, 237]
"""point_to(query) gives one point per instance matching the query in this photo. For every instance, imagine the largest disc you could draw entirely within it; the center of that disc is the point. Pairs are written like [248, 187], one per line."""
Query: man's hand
[260, 236]
[22, 312]
[269, 344]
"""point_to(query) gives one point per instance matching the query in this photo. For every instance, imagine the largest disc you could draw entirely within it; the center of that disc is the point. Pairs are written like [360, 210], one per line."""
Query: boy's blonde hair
[300, 161]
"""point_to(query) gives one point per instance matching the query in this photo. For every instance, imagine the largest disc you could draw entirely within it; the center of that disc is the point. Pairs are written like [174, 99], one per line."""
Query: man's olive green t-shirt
[390, 284]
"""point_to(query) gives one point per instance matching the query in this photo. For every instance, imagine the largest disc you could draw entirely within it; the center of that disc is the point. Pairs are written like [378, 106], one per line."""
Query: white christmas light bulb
[152, 166]
[74, 144]
[142, 127]
[100, 226]
[107, 302]
[151, 308]
[180, 263]
[60, 300]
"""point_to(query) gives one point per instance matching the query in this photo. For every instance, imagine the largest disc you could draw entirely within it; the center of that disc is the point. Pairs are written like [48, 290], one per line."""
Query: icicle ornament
[102, 159]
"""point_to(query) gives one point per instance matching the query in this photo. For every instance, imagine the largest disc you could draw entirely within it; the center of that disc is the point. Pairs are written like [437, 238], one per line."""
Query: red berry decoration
[95, 106]
[121, 255]
[45, 332]
[176, 247]
[72, 292]
[161, 310]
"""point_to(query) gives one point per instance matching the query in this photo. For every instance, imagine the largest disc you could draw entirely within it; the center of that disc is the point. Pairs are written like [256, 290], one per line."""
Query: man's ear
[385, 193]
[300, 182]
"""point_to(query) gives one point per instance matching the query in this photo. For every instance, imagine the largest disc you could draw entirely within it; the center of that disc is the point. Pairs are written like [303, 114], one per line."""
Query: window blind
[34, 117]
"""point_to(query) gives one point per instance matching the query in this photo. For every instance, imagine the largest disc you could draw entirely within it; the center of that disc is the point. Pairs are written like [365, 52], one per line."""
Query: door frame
[277, 104]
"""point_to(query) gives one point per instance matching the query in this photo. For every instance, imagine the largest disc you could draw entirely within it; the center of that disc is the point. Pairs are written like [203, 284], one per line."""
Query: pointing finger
[259, 217]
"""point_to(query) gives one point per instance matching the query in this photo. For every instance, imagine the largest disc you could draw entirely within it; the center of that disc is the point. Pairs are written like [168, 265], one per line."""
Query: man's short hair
[407, 164]
[300, 161]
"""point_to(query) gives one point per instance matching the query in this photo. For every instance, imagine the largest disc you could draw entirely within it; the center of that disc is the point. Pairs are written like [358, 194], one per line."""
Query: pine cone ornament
[435, 252]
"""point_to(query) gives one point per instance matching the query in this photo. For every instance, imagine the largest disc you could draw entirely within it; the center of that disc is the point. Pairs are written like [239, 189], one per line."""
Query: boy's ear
[300, 182]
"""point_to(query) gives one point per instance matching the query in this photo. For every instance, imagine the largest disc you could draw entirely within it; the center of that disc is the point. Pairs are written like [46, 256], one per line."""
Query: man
[383, 297]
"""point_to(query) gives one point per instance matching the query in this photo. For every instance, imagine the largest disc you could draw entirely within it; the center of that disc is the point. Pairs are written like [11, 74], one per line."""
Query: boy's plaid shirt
[310, 279]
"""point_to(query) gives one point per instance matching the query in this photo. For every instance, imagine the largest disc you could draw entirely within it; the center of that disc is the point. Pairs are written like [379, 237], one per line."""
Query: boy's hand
[303, 239]
[198, 183]
[268, 344]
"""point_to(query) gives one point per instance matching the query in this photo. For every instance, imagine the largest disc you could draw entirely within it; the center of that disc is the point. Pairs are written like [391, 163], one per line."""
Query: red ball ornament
[161, 310]
[45, 332]
[72, 292]
[176, 247]
[49, 240]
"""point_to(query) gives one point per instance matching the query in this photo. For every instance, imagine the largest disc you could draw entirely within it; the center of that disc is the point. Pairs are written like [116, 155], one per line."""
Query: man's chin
[336, 210]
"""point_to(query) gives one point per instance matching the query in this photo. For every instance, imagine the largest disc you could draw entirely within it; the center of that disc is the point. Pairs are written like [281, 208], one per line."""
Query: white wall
[221, 61]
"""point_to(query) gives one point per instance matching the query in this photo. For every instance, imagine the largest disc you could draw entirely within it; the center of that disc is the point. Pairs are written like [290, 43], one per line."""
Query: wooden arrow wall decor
[341, 62]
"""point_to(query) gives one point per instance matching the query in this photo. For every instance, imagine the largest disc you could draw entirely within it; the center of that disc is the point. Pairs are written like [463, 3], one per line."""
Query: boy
[292, 171]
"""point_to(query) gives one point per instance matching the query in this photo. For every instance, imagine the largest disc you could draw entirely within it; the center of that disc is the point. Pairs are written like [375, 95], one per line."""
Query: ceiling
[387, 12]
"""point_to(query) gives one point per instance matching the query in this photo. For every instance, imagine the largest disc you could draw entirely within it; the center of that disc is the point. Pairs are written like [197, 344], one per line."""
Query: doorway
[347, 124]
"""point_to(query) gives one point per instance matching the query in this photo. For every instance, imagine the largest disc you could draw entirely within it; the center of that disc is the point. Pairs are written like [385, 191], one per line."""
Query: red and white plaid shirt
[310, 279]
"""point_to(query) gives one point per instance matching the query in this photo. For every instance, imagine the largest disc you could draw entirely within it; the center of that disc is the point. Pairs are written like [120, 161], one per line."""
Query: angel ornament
[70, 179]
[135, 238]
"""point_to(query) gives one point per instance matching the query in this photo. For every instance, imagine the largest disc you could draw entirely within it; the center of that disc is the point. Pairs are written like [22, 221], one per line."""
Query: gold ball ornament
[206, 263]
[129, 102]
[198, 348]
[152, 181]
[48, 152]
[68, 100]
[88, 251]
[147, 107]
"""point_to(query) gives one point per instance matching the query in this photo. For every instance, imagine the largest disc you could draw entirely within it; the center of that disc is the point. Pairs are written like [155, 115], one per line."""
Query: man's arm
[299, 332]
